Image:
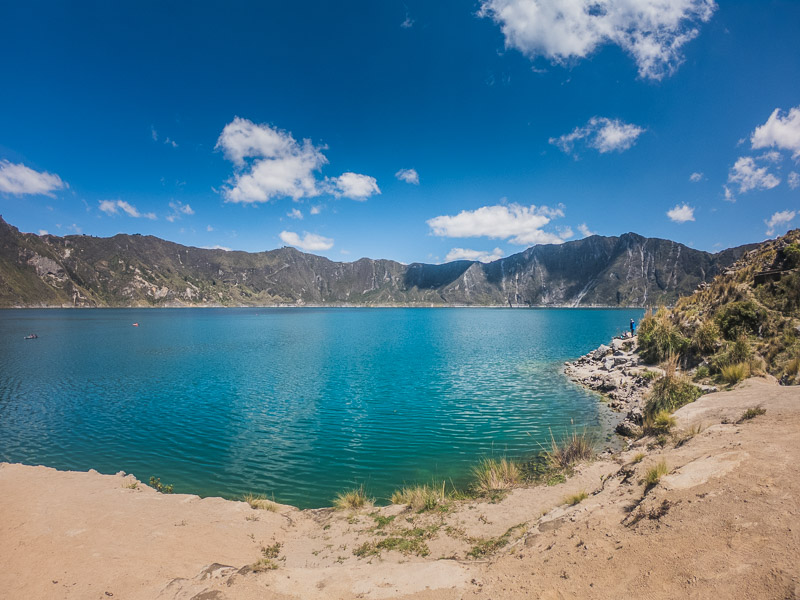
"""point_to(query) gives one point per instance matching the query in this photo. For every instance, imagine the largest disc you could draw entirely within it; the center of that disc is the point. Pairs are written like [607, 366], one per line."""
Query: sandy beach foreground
[723, 523]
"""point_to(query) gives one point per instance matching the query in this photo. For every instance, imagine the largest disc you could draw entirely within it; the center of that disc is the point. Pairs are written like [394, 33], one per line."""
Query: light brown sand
[725, 523]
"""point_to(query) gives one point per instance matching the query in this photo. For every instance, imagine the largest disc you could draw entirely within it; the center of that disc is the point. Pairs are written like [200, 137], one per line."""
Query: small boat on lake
[31, 336]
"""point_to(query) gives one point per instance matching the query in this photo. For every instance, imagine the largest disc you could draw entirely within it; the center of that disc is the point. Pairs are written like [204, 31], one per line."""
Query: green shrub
[659, 337]
[740, 318]
[752, 413]
[706, 338]
[701, 373]
[732, 353]
[670, 393]
[155, 483]
[791, 254]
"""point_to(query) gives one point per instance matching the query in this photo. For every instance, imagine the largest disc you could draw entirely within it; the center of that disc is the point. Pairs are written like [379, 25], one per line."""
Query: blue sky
[415, 130]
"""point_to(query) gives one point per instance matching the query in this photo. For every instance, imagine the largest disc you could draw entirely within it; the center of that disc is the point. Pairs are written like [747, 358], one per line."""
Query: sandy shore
[724, 523]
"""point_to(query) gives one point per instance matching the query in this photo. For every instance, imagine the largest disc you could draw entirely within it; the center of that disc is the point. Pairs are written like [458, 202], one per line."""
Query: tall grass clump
[259, 502]
[659, 337]
[492, 474]
[736, 319]
[421, 497]
[352, 499]
[571, 449]
[733, 374]
[654, 474]
[661, 423]
[670, 392]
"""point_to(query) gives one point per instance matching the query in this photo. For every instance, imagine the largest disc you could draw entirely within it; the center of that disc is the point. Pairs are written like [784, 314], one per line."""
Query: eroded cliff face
[135, 270]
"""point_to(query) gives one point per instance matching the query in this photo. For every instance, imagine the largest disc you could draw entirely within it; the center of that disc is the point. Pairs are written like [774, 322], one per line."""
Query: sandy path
[724, 523]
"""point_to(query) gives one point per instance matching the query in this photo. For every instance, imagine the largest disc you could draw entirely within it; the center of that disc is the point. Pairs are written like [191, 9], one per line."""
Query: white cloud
[309, 241]
[295, 214]
[653, 32]
[113, 207]
[781, 218]
[585, 231]
[729, 197]
[479, 255]
[316, 209]
[43, 232]
[771, 156]
[19, 180]
[780, 131]
[217, 247]
[270, 163]
[170, 142]
[695, 177]
[522, 224]
[681, 213]
[749, 176]
[209, 228]
[353, 186]
[408, 175]
[408, 23]
[793, 180]
[602, 134]
[153, 133]
[178, 209]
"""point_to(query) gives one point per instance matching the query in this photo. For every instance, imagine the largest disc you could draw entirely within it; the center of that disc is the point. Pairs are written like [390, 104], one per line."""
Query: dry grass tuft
[654, 474]
[576, 498]
[571, 449]
[421, 497]
[259, 502]
[493, 474]
[352, 499]
[733, 374]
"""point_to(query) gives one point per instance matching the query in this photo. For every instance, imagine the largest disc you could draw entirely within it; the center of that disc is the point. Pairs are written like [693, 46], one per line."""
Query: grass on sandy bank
[422, 497]
[571, 449]
[155, 483]
[671, 391]
[659, 424]
[733, 374]
[260, 502]
[352, 499]
[752, 413]
[655, 473]
[576, 498]
[492, 474]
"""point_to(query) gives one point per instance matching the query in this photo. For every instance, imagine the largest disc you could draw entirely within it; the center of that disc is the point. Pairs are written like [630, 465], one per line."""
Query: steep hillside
[135, 270]
[747, 321]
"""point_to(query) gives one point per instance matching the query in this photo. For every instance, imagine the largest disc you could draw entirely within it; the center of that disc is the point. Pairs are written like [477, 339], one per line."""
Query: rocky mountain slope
[136, 270]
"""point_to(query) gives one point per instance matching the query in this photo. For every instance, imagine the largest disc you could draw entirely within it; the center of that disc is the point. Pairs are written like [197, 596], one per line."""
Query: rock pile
[616, 372]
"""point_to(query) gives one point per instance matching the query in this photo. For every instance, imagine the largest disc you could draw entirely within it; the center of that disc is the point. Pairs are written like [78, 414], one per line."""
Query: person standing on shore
[633, 328]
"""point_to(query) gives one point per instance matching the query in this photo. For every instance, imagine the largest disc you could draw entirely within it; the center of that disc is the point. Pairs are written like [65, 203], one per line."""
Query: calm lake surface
[295, 403]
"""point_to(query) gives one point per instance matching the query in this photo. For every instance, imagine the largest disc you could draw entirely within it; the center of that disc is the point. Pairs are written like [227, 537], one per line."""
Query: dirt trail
[724, 523]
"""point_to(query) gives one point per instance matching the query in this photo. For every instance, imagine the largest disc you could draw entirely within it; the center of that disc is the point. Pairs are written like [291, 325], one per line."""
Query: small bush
[421, 497]
[752, 413]
[638, 457]
[659, 337]
[733, 374]
[648, 375]
[791, 255]
[155, 483]
[571, 449]
[576, 498]
[492, 474]
[260, 502]
[654, 474]
[670, 393]
[271, 551]
[352, 499]
[740, 318]
[706, 338]
[701, 373]
[661, 423]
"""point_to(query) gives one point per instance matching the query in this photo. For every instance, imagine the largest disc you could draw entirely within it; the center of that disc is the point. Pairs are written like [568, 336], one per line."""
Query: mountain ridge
[133, 270]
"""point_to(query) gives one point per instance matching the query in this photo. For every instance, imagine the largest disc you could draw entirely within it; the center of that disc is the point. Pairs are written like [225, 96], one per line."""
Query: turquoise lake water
[294, 403]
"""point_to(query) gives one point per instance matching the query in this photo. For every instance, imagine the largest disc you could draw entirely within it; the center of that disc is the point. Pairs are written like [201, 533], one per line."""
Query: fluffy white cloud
[270, 163]
[781, 218]
[793, 180]
[209, 228]
[113, 207]
[19, 180]
[316, 209]
[43, 232]
[309, 241]
[605, 135]
[750, 176]
[522, 224]
[295, 214]
[353, 186]
[653, 32]
[695, 177]
[585, 231]
[729, 197]
[780, 131]
[681, 213]
[408, 175]
[479, 255]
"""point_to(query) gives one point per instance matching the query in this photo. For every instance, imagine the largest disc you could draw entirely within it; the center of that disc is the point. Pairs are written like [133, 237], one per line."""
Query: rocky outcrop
[135, 270]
